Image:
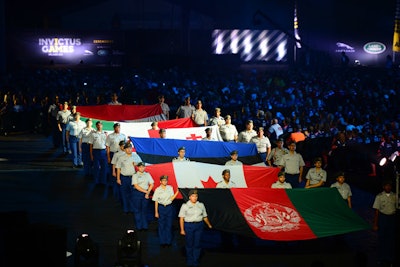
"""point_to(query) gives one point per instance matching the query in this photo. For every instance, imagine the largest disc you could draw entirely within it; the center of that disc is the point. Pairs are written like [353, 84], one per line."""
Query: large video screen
[251, 45]
[67, 48]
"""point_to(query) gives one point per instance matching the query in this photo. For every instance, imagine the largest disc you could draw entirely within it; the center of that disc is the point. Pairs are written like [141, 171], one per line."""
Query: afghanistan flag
[157, 150]
[279, 214]
[203, 175]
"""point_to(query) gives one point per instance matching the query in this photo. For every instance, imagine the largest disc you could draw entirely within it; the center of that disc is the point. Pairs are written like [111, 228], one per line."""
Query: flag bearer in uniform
[84, 143]
[191, 215]
[73, 131]
[112, 146]
[125, 166]
[181, 155]
[226, 180]
[98, 154]
[385, 224]
[163, 210]
[142, 183]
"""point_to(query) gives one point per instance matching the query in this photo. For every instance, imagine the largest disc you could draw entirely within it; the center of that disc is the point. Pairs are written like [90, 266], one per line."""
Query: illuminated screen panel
[251, 45]
[61, 48]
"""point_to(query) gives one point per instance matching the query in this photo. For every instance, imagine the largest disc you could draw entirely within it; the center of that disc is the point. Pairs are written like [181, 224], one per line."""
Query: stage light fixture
[86, 252]
[392, 158]
[129, 250]
[382, 161]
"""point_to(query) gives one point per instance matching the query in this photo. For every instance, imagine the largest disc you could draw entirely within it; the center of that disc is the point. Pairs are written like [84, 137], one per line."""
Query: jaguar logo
[345, 46]
[272, 217]
[342, 47]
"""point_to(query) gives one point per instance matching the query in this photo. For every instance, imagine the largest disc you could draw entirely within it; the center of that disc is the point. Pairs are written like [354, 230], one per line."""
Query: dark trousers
[386, 237]
[76, 154]
[263, 157]
[100, 166]
[87, 162]
[165, 223]
[126, 193]
[293, 179]
[140, 209]
[65, 144]
[192, 238]
[55, 133]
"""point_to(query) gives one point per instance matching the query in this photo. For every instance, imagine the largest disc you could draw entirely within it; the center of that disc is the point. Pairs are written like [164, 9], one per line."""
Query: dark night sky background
[340, 16]
[322, 23]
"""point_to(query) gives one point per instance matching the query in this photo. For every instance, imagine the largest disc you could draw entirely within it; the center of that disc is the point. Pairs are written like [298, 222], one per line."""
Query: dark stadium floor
[60, 204]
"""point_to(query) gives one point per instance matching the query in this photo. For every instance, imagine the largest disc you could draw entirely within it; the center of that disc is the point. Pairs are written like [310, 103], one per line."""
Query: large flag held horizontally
[396, 34]
[279, 214]
[123, 112]
[157, 150]
[203, 175]
[143, 127]
[175, 129]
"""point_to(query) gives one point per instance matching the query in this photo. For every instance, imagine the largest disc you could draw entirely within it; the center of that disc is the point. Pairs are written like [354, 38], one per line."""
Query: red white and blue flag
[157, 150]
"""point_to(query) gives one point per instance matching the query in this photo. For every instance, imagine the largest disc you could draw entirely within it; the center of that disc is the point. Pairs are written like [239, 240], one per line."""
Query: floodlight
[86, 252]
[394, 156]
[382, 161]
[129, 250]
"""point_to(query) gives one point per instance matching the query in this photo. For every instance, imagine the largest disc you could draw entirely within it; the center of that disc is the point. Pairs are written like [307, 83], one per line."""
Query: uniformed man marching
[164, 210]
[125, 167]
[142, 183]
[191, 215]
[98, 154]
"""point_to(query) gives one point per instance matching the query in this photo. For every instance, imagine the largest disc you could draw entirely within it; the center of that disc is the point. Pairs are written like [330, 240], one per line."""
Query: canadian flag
[203, 175]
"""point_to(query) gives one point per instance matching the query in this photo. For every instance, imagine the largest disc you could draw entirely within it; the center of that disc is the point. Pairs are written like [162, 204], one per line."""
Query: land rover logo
[374, 48]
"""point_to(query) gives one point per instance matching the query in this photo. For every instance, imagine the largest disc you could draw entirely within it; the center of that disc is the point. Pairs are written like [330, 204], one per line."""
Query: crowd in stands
[360, 104]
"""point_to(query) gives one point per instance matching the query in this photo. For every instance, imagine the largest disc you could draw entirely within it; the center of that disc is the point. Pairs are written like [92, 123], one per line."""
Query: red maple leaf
[210, 183]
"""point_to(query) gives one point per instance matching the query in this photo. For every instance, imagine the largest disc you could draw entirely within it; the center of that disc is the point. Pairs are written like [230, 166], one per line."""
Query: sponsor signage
[343, 47]
[67, 48]
[374, 48]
